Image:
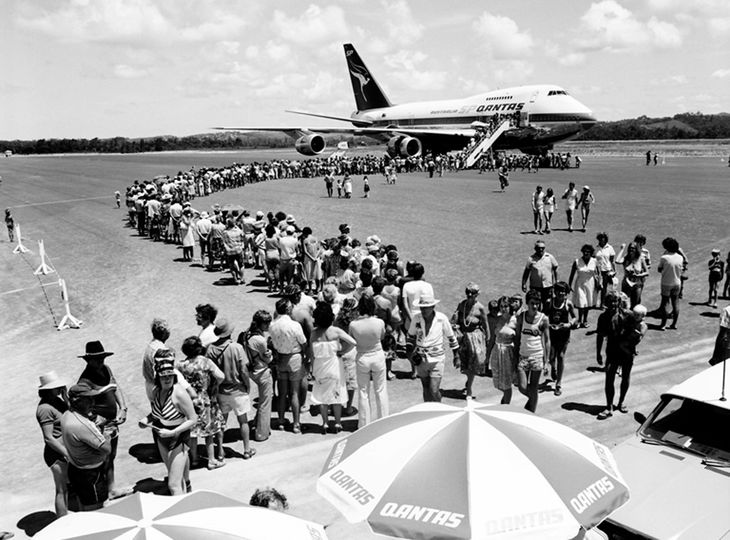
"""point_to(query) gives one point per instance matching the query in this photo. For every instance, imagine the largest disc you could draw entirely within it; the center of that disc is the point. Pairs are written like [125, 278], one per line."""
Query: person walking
[425, 346]
[233, 241]
[501, 359]
[538, 209]
[606, 262]
[561, 317]
[570, 196]
[586, 283]
[623, 330]
[470, 325]
[671, 266]
[635, 272]
[585, 201]
[549, 208]
[716, 270]
[541, 272]
[532, 345]
[10, 224]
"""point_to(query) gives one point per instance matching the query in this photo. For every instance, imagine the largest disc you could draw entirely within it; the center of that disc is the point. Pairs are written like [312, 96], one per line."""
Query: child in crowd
[366, 187]
[716, 268]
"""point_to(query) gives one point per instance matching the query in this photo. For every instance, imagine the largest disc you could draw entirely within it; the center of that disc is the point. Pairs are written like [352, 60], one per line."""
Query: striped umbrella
[201, 515]
[481, 472]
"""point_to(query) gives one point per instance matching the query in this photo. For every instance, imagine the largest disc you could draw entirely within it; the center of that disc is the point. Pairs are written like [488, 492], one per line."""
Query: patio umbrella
[437, 471]
[201, 515]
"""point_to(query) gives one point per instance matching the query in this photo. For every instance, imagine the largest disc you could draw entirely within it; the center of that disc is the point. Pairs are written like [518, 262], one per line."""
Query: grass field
[458, 226]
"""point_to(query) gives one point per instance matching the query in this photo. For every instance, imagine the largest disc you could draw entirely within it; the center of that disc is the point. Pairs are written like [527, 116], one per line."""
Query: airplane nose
[587, 120]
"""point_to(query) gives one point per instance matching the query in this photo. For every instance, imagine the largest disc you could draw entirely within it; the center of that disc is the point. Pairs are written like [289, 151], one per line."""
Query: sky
[140, 68]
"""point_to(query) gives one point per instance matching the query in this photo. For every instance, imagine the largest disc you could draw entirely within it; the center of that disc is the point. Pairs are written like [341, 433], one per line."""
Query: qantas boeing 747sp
[543, 115]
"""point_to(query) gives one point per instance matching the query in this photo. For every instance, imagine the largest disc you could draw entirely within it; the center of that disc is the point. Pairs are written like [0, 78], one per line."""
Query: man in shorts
[87, 448]
[571, 201]
[541, 273]
[671, 266]
[233, 391]
[426, 335]
[289, 342]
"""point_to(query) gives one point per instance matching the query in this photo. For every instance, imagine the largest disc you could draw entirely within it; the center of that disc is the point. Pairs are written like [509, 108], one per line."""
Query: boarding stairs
[483, 144]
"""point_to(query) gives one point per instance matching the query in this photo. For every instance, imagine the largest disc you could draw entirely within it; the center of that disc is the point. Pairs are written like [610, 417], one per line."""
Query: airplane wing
[366, 131]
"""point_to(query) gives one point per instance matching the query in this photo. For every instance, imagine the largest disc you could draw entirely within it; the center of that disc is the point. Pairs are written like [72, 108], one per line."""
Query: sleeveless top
[558, 315]
[531, 337]
[506, 332]
[165, 414]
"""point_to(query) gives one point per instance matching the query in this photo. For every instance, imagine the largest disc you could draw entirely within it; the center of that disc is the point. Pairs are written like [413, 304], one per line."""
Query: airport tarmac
[459, 226]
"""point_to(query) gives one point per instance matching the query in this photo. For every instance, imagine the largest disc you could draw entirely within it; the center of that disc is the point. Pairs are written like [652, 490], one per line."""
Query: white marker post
[68, 321]
[20, 248]
[44, 268]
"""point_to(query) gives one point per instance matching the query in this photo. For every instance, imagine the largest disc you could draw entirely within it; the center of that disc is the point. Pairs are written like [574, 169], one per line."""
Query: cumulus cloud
[571, 59]
[502, 37]
[721, 73]
[124, 71]
[315, 25]
[511, 71]
[407, 70]
[610, 26]
[401, 24]
[130, 21]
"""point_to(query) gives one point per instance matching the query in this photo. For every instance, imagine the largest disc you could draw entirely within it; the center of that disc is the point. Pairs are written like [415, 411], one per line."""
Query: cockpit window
[557, 93]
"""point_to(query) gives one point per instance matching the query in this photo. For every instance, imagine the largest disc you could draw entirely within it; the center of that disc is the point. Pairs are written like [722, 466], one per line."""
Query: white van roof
[706, 387]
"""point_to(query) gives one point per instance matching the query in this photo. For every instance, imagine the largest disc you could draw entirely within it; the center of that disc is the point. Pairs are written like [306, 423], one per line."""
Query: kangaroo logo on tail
[361, 74]
[368, 94]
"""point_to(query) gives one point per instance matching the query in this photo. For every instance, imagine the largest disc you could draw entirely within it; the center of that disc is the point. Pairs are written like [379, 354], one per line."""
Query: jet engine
[310, 145]
[404, 146]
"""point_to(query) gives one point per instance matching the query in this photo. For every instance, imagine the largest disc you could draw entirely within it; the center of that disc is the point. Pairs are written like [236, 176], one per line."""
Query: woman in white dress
[587, 283]
[327, 344]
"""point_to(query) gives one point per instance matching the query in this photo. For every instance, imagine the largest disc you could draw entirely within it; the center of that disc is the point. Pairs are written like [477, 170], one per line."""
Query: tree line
[680, 126]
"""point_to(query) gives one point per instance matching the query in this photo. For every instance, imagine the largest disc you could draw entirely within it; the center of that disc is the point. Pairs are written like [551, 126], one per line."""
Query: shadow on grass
[151, 485]
[145, 453]
[710, 314]
[593, 410]
[453, 393]
[596, 369]
[35, 522]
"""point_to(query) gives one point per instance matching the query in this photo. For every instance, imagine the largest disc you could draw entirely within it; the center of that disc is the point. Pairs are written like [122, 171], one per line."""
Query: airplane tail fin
[368, 94]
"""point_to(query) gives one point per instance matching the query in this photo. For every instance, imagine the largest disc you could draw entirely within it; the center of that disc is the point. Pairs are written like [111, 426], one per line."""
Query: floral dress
[198, 372]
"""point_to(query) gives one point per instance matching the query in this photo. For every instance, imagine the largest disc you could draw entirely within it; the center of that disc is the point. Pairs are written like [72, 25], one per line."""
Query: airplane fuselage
[547, 115]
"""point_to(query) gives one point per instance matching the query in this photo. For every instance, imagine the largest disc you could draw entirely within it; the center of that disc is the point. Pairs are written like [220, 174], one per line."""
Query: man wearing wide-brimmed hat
[109, 404]
[425, 345]
[87, 447]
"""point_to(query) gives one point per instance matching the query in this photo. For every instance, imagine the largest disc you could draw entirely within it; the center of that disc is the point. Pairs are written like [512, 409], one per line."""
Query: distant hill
[680, 126]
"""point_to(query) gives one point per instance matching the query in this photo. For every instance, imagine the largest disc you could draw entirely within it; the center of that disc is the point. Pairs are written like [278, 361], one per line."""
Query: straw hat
[50, 380]
[223, 328]
[426, 300]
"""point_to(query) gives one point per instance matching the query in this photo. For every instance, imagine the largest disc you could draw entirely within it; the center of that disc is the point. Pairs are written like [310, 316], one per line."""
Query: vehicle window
[696, 426]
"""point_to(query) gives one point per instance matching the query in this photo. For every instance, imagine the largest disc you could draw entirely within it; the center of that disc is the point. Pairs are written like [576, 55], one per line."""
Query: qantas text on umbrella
[591, 494]
[422, 513]
[352, 487]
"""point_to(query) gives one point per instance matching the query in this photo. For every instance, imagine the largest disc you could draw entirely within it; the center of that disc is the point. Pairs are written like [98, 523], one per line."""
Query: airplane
[543, 115]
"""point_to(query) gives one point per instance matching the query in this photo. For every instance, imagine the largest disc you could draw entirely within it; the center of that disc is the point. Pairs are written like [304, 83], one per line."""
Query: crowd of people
[345, 313]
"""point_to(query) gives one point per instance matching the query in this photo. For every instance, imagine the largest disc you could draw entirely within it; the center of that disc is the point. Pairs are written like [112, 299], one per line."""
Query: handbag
[418, 358]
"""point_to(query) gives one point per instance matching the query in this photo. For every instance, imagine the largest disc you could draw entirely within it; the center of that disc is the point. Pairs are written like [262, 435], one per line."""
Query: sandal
[606, 413]
[296, 429]
[558, 391]
[249, 453]
[623, 408]
[338, 428]
[215, 464]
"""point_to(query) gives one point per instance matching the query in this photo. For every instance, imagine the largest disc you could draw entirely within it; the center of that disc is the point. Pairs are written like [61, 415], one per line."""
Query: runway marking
[28, 288]
[61, 202]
